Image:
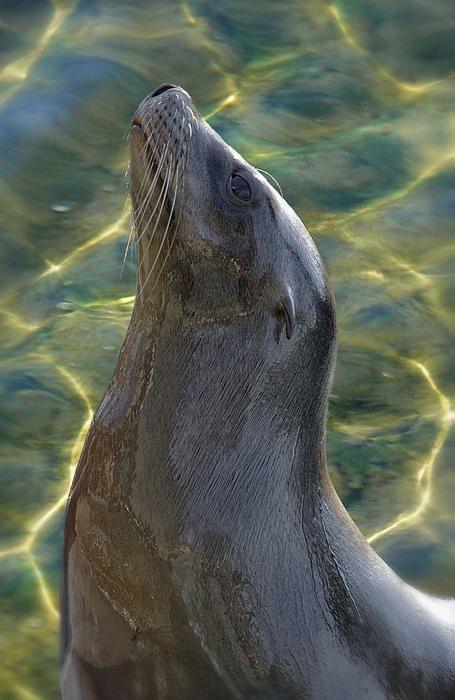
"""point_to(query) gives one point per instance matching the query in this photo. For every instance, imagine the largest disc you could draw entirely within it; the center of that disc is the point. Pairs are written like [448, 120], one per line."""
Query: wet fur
[206, 552]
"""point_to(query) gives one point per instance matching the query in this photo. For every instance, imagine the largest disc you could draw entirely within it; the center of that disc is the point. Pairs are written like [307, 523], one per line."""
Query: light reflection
[426, 174]
[114, 229]
[25, 692]
[229, 100]
[242, 87]
[410, 88]
[425, 472]
[37, 525]
[17, 71]
[17, 322]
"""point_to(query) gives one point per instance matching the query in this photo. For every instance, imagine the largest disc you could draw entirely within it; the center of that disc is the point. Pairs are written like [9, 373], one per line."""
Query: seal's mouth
[160, 134]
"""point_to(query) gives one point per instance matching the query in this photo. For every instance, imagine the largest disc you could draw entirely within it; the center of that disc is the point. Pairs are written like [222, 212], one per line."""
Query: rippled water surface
[348, 105]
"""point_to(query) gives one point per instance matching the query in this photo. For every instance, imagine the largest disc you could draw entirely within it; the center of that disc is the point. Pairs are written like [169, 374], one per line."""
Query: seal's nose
[162, 88]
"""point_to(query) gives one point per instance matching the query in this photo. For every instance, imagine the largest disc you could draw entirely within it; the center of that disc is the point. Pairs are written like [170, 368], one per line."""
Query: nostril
[136, 127]
[162, 88]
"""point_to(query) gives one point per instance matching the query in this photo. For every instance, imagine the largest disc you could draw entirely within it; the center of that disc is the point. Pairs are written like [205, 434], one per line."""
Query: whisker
[164, 237]
[177, 224]
[169, 172]
[162, 196]
[152, 189]
[273, 179]
[147, 172]
[171, 244]
[126, 134]
[136, 213]
[147, 197]
[130, 236]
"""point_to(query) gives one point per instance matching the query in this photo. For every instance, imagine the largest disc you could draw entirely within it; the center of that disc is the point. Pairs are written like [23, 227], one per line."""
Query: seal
[206, 553]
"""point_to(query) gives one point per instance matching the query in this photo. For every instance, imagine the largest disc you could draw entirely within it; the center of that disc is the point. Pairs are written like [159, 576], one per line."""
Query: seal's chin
[160, 132]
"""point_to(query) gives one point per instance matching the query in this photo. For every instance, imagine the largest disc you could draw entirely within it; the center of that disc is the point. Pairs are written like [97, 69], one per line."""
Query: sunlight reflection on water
[348, 106]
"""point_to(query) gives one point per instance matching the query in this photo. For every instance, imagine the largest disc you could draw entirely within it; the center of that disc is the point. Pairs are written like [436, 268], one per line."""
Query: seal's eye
[240, 188]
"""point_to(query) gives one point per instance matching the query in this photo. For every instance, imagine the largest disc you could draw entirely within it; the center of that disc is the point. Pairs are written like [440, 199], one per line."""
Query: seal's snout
[161, 132]
[168, 92]
[165, 106]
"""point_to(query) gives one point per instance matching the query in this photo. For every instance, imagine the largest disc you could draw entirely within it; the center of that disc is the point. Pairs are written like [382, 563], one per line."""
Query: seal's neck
[243, 429]
[229, 445]
[239, 466]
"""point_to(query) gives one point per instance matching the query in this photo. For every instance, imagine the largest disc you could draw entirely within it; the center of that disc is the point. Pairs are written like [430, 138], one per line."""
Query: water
[348, 106]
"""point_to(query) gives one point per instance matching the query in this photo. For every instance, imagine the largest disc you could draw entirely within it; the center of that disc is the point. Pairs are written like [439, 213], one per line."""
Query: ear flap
[287, 302]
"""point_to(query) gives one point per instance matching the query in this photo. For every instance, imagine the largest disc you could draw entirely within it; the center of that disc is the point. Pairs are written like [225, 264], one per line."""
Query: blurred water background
[348, 105]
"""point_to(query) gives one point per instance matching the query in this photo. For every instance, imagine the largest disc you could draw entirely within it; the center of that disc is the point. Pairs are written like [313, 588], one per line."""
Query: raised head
[223, 251]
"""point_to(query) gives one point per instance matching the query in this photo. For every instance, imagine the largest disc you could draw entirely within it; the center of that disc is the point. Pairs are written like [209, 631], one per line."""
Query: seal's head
[215, 237]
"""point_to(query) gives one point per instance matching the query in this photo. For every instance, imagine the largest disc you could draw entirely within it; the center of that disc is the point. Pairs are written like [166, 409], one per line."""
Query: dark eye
[240, 188]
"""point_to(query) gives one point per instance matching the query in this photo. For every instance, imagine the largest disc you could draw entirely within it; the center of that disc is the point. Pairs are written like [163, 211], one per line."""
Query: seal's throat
[221, 448]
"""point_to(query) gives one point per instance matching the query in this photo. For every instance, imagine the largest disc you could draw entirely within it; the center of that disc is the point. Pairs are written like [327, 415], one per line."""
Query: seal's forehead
[232, 158]
[287, 226]
[223, 149]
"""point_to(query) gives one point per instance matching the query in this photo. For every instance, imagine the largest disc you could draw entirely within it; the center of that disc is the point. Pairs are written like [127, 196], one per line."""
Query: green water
[349, 106]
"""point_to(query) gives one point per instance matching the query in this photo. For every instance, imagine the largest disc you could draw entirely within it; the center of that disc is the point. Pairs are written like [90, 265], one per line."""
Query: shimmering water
[348, 105]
